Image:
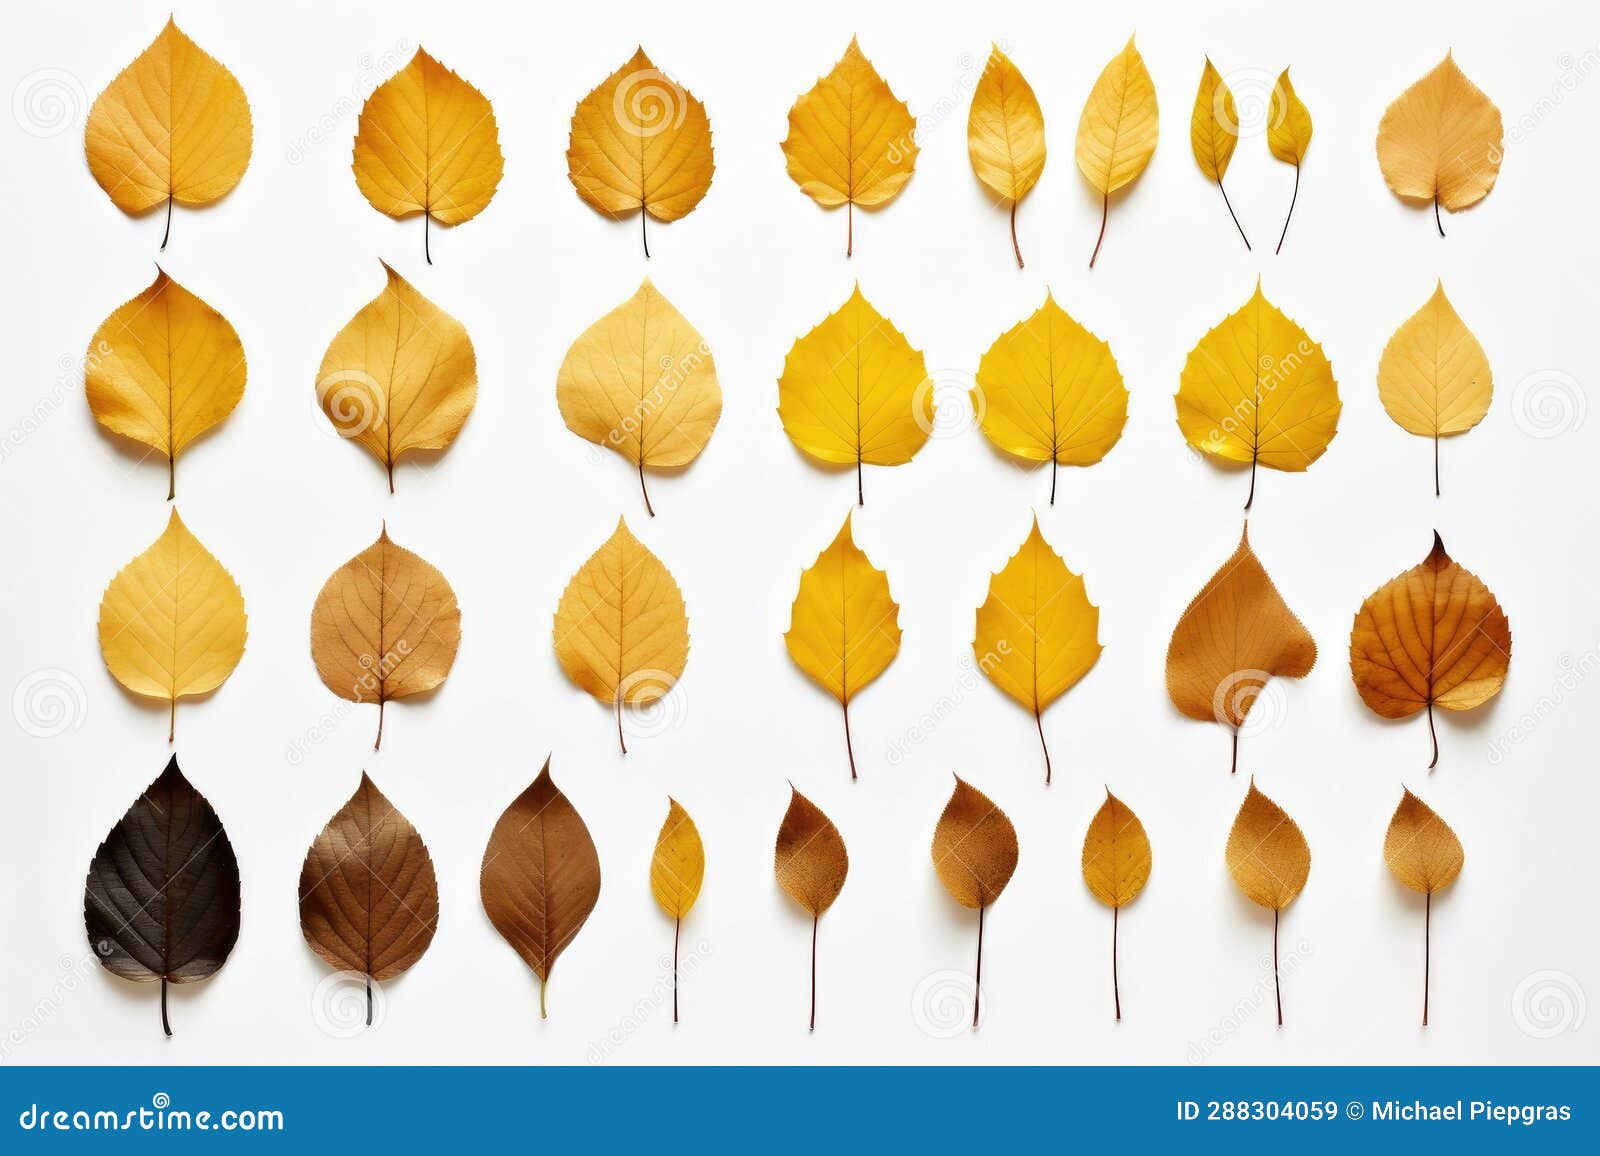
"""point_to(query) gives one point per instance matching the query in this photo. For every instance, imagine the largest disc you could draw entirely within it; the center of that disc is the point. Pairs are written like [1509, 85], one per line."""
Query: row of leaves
[427, 141]
[162, 900]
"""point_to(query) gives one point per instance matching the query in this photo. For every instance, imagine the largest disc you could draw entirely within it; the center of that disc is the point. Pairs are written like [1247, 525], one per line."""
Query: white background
[518, 503]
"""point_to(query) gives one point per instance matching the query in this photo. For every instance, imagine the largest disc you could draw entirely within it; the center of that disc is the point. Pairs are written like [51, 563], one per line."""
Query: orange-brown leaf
[974, 847]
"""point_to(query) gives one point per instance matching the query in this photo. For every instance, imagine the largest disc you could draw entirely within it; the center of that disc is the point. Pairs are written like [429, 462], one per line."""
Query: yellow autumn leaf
[1257, 389]
[620, 628]
[851, 140]
[1270, 861]
[844, 626]
[173, 126]
[1116, 866]
[427, 142]
[1289, 137]
[1048, 390]
[854, 391]
[1118, 129]
[1434, 378]
[1214, 134]
[1424, 854]
[640, 141]
[401, 376]
[1037, 632]
[1005, 134]
[640, 381]
[163, 369]
[1237, 634]
[676, 871]
[172, 621]
[1441, 141]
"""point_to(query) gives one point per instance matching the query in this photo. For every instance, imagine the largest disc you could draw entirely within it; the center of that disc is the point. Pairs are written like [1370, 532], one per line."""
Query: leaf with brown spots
[811, 864]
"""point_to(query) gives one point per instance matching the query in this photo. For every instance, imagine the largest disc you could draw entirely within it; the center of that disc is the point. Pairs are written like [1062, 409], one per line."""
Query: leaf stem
[677, 929]
[544, 985]
[172, 717]
[1252, 496]
[649, 509]
[850, 228]
[617, 700]
[1295, 197]
[849, 747]
[861, 497]
[1436, 465]
[644, 230]
[1105, 211]
[1015, 248]
[1432, 734]
[977, 976]
[165, 1026]
[167, 232]
[1234, 215]
[1233, 769]
[1427, 935]
[1116, 986]
[378, 742]
[1277, 985]
[172, 476]
[1039, 722]
[369, 1001]
[1052, 480]
[1438, 224]
[427, 229]
[814, 920]
[389, 465]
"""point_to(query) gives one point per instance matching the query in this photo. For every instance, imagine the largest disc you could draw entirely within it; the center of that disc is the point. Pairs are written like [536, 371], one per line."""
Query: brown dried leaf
[1420, 848]
[974, 847]
[811, 863]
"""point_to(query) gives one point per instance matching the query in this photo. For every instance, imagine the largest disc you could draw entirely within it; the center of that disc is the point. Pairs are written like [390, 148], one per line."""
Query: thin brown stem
[378, 742]
[850, 228]
[814, 920]
[677, 930]
[427, 235]
[167, 232]
[1290, 215]
[1116, 987]
[369, 1001]
[1234, 215]
[544, 985]
[1039, 722]
[644, 231]
[649, 509]
[977, 976]
[617, 701]
[861, 497]
[390, 467]
[849, 747]
[1427, 948]
[1015, 248]
[1250, 499]
[172, 477]
[1437, 223]
[1105, 211]
[165, 1026]
[1432, 734]
[1052, 481]
[172, 717]
[1277, 986]
[1233, 768]
[1436, 465]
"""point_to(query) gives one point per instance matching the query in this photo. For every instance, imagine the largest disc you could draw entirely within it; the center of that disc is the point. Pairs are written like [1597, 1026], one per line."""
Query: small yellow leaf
[844, 626]
[1258, 389]
[853, 391]
[427, 142]
[640, 381]
[1440, 141]
[851, 140]
[1434, 378]
[1288, 123]
[1037, 632]
[1434, 635]
[385, 625]
[974, 847]
[1118, 129]
[640, 141]
[1116, 854]
[1236, 634]
[163, 369]
[401, 376]
[172, 621]
[679, 864]
[173, 126]
[620, 629]
[1420, 848]
[1048, 390]
[1214, 126]
[1267, 855]
[1005, 134]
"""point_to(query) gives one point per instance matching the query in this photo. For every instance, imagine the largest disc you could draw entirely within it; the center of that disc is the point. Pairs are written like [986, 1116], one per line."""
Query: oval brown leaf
[974, 847]
[162, 898]
[1425, 855]
[541, 876]
[369, 902]
[811, 864]
[1270, 860]
[1116, 866]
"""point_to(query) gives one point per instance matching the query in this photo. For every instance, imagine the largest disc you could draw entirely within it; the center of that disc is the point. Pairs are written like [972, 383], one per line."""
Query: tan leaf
[1118, 129]
[1116, 866]
[811, 864]
[1425, 855]
[974, 855]
[1270, 860]
[1441, 141]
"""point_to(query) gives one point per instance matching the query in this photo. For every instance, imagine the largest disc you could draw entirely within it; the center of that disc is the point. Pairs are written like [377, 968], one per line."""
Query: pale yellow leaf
[1441, 141]
[1118, 129]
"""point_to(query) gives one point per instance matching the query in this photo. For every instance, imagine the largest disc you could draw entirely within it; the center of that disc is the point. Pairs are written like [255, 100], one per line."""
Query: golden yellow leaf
[640, 381]
[1005, 134]
[974, 855]
[1118, 129]
[1434, 378]
[427, 142]
[1432, 636]
[1214, 134]
[676, 871]
[163, 369]
[1257, 389]
[172, 621]
[401, 376]
[386, 625]
[844, 626]
[620, 629]
[1289, 137]
[1236, 634]
[1270, 860]
[853, 391]
[1440, 141]
[1116, 866]
[851, 140]
[173, 126]
[1425, 855]
[640, 141]
[1048, 390]
[1037, 632]
[811, 863]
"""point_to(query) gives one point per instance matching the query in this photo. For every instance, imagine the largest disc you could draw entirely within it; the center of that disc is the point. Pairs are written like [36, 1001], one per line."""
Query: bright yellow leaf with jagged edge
[1118, 129]
[851, 140]
[1434, 378]
[163, 369]
[173, 126]
[620, 629]
[640, 141]
[679, 864]
[1441, 141]
[1257, 389]
[641, 382]
[1214, 125]
[401, 376]
[1288, 136]
[854, 391]
[1037, 632]
[844, 627]
[172, 621]
[1048, 390]
[427, 142]
[1005, 134]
